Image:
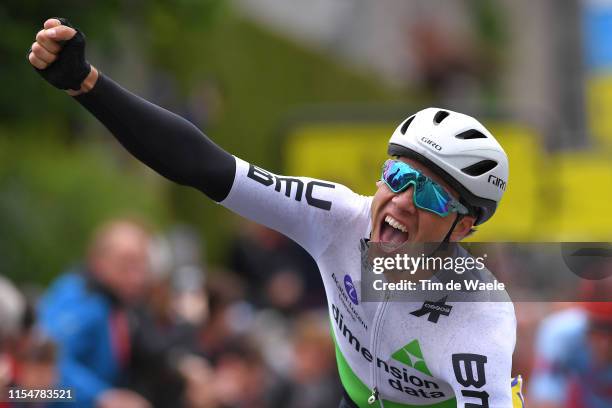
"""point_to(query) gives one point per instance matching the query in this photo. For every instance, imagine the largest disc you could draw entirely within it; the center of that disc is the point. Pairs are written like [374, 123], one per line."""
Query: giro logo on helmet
[497, 182]
[431, 143]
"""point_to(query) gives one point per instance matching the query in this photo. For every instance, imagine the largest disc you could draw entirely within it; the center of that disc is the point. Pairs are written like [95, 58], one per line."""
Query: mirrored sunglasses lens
[433, 198]
[397, 175]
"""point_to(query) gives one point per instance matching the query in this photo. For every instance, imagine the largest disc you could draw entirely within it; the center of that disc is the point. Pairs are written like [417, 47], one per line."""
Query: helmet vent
[440, 116]
[480, 168]
[406, 124]
[471, 134]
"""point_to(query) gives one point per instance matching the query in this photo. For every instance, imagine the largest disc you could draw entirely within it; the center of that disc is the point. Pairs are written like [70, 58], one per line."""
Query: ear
[379, 183]
[463, 228]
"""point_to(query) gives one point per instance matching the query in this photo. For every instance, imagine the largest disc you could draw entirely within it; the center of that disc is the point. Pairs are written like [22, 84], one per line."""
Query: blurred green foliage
[492, 37]
[52, 196]
[20, 21]
[60, 175]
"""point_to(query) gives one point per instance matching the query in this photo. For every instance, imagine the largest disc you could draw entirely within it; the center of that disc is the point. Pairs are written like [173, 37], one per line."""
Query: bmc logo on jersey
[267, 179]
[351, 291]
[470, 373]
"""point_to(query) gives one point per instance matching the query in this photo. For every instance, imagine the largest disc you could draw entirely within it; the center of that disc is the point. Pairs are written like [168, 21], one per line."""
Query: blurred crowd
[142, 322]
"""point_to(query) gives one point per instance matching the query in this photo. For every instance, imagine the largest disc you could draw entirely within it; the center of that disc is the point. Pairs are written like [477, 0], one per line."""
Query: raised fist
[58, 54]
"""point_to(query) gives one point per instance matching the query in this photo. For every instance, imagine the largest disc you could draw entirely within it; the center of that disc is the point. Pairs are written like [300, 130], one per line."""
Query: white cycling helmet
[459, 149]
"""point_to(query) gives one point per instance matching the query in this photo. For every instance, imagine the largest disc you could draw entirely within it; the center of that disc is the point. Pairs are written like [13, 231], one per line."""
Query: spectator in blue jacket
[574, 354]
[85, 312]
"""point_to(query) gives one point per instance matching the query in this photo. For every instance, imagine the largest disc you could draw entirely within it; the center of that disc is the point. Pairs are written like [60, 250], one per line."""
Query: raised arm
[309, 211]
[166, 142]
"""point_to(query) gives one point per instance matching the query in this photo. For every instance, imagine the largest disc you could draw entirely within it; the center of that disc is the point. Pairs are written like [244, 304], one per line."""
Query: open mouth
[393, 231]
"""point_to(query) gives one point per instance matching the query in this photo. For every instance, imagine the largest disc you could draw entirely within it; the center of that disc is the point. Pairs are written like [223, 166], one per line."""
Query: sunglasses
[428, 195]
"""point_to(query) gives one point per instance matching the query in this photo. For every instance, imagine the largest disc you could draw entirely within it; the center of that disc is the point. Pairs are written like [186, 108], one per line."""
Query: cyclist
[448, 175]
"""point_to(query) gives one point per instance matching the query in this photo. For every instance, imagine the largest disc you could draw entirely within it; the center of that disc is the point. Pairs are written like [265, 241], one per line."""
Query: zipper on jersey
[372, 399]
[378, 319]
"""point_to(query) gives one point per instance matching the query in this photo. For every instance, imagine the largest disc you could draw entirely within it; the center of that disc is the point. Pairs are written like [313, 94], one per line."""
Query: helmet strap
[452, 228]
[444, 244]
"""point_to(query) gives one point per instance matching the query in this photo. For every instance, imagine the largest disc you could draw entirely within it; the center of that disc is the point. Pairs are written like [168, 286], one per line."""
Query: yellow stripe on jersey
[517, 396]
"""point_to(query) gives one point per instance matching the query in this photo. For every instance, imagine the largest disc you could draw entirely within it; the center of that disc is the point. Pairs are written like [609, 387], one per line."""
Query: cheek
[378, 201]
[432, 226]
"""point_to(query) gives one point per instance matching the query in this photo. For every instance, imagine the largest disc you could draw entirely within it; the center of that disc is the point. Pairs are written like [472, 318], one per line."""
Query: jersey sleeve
[307, 210]
[164, 141]
[311, 212]
[477, 362]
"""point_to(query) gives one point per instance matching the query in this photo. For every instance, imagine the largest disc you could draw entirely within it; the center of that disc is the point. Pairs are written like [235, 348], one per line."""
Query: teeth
[395, 223]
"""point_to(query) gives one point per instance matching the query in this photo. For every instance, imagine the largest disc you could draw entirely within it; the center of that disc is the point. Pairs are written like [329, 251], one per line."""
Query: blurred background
[302, 88]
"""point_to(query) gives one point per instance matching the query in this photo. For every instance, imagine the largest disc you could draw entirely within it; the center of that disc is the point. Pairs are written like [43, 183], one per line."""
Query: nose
[405, 200]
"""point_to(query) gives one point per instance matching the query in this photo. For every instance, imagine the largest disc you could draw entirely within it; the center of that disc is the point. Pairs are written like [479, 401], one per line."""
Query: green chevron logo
[412, 356]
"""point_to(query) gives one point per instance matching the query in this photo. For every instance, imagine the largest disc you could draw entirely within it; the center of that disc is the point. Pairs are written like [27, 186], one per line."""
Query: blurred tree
[51, 198]
[158, 23]
[24, 93]
[174, 36]
[490, 26]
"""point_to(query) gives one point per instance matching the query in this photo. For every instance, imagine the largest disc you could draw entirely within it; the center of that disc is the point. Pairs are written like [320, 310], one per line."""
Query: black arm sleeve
[165, 142]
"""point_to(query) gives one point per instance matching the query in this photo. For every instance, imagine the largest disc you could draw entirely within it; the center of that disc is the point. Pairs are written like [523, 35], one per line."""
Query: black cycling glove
[70, 68]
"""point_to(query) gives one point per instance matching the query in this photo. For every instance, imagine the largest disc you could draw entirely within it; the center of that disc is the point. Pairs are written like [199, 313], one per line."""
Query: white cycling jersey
[459, 358]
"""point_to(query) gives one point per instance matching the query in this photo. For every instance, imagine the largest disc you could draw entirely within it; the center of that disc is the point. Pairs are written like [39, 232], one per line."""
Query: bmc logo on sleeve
[470, 373]
[267, 179]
